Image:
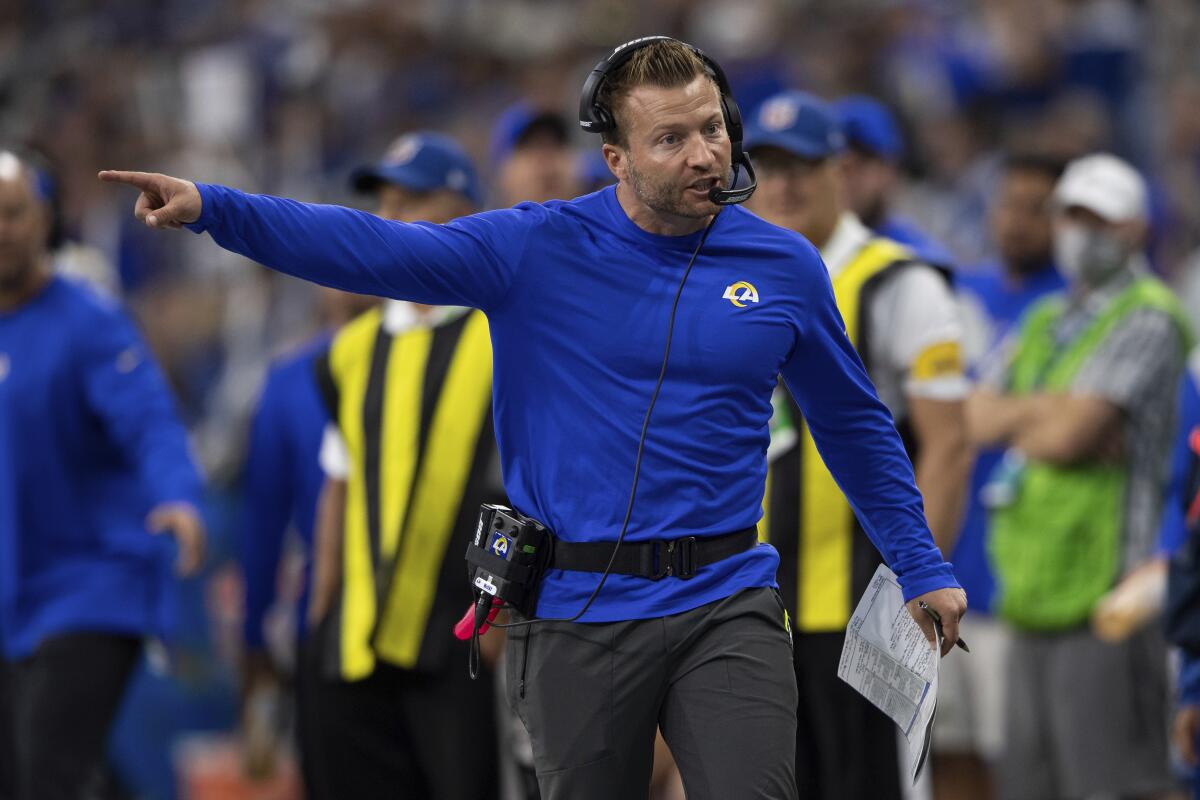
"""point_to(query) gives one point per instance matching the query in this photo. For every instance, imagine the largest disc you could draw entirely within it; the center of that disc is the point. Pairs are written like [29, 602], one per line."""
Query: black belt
[680, 558]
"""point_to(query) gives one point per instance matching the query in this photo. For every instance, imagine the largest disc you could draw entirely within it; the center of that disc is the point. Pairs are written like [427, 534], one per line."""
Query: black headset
[594, 117]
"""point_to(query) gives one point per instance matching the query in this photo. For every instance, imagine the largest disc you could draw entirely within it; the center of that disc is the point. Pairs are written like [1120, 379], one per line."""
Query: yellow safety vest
[415, 412]
[825, 558]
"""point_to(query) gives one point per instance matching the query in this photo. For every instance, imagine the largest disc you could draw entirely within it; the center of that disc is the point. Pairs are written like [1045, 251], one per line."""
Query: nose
[701, 154]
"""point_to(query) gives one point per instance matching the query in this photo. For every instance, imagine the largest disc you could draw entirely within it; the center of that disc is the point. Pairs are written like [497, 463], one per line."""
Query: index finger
[142, 180]
[949, 633]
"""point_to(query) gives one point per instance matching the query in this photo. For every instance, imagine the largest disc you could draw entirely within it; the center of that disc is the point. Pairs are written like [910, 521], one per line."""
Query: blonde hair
[667, 64]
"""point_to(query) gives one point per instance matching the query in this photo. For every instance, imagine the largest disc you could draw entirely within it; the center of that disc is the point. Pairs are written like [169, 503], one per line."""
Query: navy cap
[870, 125]
[798, 122]
[518, 123]
[422, 162]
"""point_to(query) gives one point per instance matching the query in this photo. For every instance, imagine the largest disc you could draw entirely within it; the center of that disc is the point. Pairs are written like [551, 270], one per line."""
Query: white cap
[1104, 184]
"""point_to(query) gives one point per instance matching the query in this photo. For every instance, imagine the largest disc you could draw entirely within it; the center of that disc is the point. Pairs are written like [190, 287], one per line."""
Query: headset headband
[595, 117]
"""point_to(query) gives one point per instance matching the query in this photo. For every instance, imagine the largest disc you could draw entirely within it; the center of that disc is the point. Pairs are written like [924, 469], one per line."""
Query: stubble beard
[665, 197]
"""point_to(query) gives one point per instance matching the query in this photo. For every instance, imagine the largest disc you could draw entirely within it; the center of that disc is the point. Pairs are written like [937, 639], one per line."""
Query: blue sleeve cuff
[183, 485]
[208, 210]
[929, 579]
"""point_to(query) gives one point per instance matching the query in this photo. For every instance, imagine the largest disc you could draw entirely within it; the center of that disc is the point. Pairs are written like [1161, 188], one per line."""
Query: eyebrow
[665, 127]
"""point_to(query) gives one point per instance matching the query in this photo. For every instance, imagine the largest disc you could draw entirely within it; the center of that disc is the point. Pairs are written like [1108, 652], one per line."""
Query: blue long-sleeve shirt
[282, 479]
[89, 443]
[577, 298]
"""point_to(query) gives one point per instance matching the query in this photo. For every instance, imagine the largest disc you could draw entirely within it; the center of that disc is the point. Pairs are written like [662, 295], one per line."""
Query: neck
[1082, 287]
[661, 223]
[25, 288]
[823, 234]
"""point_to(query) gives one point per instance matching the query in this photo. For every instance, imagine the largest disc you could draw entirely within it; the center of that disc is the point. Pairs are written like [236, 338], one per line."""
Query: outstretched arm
[858, 442]
[469, 262]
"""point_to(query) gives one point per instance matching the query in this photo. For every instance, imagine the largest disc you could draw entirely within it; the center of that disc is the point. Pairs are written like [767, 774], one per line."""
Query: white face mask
[1086, 254]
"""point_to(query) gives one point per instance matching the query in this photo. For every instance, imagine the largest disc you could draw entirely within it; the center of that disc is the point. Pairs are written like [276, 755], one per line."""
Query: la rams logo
[741, 293]
[500, 544]
[403, 150]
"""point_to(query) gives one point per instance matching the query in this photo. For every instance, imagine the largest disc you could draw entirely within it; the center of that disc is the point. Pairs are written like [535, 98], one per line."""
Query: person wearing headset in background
[901, 317]
[408, 456]
[606, 433]
[93, 462]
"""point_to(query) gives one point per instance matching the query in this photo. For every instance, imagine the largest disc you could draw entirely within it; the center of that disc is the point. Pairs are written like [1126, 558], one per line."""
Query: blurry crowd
[961, 118]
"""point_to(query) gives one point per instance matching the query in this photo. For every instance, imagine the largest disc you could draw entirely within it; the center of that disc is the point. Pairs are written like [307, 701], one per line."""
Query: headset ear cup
[733, 125]
[604, 121]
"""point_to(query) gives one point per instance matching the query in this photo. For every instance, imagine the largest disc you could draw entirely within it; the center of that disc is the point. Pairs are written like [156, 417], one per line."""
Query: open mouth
[703, 186]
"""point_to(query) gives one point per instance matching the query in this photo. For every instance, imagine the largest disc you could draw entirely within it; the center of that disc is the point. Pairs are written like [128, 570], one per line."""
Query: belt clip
[679, 561]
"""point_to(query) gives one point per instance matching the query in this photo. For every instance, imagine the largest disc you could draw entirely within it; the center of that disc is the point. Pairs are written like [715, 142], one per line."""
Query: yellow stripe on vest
[399, 433]
[437, 496]
[827, 521]
[350, 369]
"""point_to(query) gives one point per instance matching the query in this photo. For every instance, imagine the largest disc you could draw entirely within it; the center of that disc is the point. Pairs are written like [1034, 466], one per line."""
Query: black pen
[937, 622]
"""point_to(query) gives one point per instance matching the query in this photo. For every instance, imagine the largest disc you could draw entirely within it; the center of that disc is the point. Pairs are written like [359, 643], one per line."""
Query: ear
[617, 160]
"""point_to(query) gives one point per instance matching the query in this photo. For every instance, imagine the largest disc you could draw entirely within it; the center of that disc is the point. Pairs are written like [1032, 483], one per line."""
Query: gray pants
[717, 679]
[1085, 717]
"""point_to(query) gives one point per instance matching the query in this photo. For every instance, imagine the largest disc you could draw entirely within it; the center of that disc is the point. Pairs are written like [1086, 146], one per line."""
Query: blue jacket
[577, 298]
[282, 479]
[89, 443]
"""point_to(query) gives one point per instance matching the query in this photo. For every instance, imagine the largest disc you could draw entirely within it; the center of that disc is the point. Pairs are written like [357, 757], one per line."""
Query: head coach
[638, 333]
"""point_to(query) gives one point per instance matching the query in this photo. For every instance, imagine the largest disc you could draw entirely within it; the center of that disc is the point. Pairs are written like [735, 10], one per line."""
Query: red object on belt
[462, 630]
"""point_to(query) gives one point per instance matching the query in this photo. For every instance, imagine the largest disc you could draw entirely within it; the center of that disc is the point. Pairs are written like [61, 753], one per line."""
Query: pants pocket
[568, 700]
[784, 616]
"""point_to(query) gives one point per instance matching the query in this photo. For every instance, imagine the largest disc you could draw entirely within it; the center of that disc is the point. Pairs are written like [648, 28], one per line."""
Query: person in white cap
[1080, 399]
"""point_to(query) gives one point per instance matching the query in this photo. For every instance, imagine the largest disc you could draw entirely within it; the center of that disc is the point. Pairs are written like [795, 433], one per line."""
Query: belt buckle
[685, 549]
[677, 558]
[662, 566]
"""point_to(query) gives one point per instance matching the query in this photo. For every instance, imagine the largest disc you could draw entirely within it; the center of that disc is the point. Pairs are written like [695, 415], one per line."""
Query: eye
[713, 128]
[669, 139]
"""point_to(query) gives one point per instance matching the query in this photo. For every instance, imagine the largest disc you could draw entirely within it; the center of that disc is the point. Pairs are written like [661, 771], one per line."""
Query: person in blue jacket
[281, 482]
[600, 376]
[1177, 541]
[93, 462]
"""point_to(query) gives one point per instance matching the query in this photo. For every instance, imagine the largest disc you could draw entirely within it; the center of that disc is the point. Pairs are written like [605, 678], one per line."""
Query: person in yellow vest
[901, 317]
[1083, 399]
[409, 457]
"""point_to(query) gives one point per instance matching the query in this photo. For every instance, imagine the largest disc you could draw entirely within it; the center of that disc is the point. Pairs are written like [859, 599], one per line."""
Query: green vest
[1056, 549]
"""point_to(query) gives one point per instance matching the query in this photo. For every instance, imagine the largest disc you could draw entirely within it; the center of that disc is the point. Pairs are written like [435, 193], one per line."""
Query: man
[1084, 402]
[408, 457]
[969, 735]
[901, 317]
[93, 461]
[579, 297]
[531, 152]
[282, 482]
[871, 169]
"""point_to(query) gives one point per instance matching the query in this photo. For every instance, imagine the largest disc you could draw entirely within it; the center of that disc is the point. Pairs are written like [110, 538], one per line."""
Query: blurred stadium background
[287, 96]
